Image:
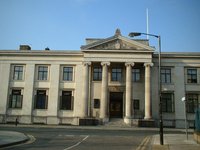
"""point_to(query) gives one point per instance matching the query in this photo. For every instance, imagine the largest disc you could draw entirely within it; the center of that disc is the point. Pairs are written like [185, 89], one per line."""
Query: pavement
[171, 141]
[10, 138]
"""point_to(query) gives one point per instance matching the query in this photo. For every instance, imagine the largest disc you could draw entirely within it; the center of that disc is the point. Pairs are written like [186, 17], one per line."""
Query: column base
[103, 121]
[128, 120]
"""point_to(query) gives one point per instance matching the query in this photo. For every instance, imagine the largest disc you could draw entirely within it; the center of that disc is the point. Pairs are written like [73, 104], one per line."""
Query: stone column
[104, 92]
[85, 91]
[148, 90]
[128, 92]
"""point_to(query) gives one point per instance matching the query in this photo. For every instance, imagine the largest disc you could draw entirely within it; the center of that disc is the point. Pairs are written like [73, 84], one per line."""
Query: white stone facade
[114, 77]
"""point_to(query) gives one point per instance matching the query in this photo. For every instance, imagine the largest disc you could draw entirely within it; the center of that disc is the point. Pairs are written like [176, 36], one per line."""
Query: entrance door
[116, 104]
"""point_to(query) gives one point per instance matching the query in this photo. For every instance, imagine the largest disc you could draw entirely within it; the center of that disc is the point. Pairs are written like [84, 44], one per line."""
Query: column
[53, 106]
[104, 92]
[128, 91]
[85, 91]
[148, 90]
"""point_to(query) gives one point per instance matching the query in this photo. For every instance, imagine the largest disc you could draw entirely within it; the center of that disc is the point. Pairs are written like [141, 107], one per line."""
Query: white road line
[76, 143]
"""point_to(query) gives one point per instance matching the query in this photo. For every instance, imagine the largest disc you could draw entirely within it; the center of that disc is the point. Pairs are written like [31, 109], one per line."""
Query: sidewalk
[175, 142]
[9, 138]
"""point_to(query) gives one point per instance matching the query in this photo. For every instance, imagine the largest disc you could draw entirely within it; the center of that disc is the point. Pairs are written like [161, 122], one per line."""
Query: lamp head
[132, 34]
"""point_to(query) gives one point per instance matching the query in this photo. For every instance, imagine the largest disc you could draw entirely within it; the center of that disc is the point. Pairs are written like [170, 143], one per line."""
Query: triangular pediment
[118, 42]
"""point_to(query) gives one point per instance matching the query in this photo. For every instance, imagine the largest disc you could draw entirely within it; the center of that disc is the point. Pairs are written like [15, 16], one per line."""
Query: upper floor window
[135, 75]
[116, 74]
[166, 75]
[41, 99]
[42, 72]
[167, 102]
[192, 102]
[97, 73]
[191, 75]
[18, 72]
[67, 73]
[66, 100]
[16, 98]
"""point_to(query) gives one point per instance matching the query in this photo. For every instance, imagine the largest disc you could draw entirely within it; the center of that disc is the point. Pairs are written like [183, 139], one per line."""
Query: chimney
[24, 47]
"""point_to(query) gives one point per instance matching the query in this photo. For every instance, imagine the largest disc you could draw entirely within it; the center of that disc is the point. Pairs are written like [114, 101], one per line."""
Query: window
[167, 102]
[192, 102]
[116, 74]
[66, 100]
[136, 104]
[191, 75]
[97, 103]
[18, 73]
[41, 100]
[42, 72]
[97, 73]
[67, 73]
[135, 75]
[165, 75]
[16, 99]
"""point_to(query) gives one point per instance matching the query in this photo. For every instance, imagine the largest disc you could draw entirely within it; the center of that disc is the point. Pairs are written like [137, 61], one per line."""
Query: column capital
[148, 64]
[105, 63]
[87, 63]
[129, 64]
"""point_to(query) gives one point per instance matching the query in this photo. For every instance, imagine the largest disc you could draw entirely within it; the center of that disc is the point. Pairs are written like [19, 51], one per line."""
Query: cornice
[40, 53]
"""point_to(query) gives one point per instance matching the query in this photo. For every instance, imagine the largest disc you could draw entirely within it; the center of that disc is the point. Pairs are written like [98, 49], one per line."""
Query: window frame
[169, 103]
[167, 76]
[136, 75]
[68, 100]
[69, 74]
[18, 75]
[18, 99]
[116, 74]
[42, 75]
[192, 77]
[96, 103]
[193, 104]
[41, 100]
[97, 73]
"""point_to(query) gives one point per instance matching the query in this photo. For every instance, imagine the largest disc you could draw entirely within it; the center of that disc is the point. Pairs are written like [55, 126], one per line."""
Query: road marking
[143, 144]
[77, 143]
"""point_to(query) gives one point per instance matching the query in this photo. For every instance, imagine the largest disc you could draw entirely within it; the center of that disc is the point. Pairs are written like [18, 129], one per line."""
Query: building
[115, 77]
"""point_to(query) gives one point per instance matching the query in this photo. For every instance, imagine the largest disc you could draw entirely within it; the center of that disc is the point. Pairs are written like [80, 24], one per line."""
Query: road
[53, 138]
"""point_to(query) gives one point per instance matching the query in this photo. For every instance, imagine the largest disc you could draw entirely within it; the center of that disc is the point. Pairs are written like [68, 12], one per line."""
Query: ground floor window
[167, 102]
[97, 103]
[192, 102]
[41, 99]
[16, 98]
[66, 100]
[136, 104]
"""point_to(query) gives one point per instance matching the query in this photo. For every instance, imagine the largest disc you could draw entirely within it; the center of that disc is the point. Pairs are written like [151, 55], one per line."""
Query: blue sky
[64, 24]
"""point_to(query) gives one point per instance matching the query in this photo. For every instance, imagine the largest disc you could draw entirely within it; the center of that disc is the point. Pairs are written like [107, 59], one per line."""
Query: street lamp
[186, 128]
[132, 34]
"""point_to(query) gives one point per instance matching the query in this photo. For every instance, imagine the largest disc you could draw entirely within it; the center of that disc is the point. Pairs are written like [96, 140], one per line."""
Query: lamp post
[132, 34]
[186, 126]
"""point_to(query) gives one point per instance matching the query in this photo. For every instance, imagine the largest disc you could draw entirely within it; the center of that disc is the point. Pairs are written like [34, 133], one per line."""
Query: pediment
[117, 42]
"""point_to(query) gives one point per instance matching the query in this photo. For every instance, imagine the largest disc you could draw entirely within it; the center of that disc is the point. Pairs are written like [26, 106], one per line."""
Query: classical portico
[120, 54]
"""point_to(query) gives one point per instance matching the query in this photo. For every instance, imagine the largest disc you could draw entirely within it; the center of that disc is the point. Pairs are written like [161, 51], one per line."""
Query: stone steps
[116, 122]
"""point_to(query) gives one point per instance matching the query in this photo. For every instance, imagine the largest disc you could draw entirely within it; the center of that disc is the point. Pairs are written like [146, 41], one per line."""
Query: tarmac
[171, 141]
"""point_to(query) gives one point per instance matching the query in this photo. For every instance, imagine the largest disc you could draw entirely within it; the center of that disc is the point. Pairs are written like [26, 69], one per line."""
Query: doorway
[116, 104]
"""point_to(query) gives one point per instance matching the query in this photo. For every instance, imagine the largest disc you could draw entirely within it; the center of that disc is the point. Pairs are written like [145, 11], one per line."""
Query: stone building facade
[115, 77]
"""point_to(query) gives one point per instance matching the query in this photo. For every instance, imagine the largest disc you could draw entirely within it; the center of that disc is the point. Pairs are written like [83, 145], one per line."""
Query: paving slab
[175, 142]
